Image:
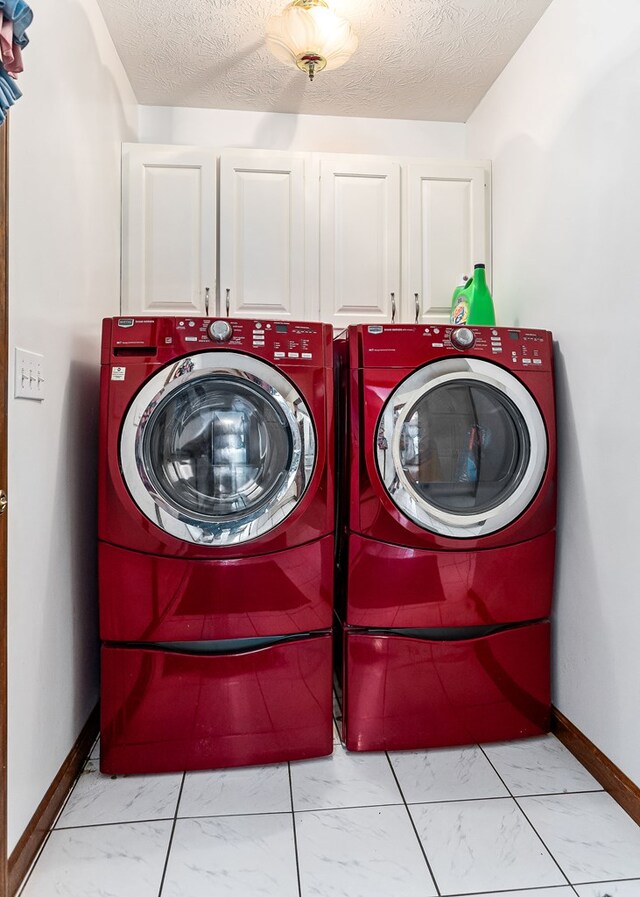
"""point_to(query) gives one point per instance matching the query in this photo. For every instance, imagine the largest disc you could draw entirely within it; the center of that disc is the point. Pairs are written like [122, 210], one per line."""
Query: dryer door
[461, 447]
[217, 449]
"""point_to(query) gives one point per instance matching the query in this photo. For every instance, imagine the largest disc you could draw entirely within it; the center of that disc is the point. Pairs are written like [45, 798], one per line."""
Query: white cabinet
[359, 240]
[168, 229]
[447, 227]
[262, 235]
[340, 238]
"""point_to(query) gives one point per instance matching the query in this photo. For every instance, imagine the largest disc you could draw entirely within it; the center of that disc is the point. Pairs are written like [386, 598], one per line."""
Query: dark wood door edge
[613, 780]
[4, 352]
[29, 844]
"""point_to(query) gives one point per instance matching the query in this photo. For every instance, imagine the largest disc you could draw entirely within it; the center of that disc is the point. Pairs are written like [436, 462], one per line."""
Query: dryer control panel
[285, 343]
[399, 345]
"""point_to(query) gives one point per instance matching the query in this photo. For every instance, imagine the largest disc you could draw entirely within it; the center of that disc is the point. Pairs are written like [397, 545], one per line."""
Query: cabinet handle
[206, 301]
[228, 303]
[417, 298]
[393, 308]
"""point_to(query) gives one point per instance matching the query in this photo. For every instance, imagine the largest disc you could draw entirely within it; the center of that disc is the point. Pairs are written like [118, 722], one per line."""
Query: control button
[495, 332]
[192, 323]
[279, 354]
[438, 345]
[526, 361]
[220, 331]
[307, 355]
[258, 326]
[293, 355]
[537, 361]
[191, 339]
[436, 330]
[463, 338]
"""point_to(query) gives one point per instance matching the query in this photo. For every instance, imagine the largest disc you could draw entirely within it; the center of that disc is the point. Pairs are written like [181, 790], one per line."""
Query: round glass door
[461, 447]
[218, 455]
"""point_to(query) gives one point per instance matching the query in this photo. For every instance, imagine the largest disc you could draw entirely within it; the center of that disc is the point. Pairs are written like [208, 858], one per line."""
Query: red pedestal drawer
[404, 693]
[165, 711]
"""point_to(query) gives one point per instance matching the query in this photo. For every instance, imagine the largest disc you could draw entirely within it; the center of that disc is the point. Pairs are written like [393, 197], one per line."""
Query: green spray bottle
[473, 303]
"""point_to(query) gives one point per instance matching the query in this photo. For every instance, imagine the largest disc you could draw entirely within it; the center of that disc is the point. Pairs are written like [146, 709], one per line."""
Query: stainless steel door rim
[217, 448]
[527, 475]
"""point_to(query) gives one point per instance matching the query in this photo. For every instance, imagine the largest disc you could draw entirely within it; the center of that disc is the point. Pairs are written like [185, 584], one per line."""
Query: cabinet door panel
[169, 229]
[262, 237]
[446, 235]
[359, 240]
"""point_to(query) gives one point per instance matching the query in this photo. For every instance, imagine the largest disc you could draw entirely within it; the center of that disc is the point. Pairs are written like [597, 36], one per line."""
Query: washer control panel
[411, 345]
[281, 342]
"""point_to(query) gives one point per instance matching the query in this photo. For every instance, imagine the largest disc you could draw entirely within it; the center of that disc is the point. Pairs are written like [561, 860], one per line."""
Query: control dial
[463, 338]
[220, 331]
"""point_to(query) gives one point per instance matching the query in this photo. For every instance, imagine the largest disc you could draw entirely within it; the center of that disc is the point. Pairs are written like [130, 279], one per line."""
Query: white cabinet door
[262, 235]
[169, 229]
[359, 240]
[447, 233]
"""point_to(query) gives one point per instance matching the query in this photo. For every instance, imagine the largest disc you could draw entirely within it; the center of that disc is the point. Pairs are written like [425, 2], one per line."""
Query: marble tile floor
[520, 819]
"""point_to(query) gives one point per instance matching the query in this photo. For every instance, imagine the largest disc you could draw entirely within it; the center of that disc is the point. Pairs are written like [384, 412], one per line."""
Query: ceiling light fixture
[311, 36]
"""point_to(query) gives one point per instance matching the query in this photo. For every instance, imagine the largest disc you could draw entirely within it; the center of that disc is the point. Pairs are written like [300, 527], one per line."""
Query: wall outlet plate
[29, 375]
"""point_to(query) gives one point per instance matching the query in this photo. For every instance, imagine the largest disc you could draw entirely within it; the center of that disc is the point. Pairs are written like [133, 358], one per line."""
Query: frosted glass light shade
[312, 37]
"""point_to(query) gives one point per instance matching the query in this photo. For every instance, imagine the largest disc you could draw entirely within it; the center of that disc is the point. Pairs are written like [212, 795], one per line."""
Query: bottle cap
[481, 265]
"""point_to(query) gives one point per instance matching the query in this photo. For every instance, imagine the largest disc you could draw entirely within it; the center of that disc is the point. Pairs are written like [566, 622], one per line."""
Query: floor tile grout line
[537, 834]
[173, 828]
[349, 807]
[111, 822]
[295, 834]
[492, 765]
[541, 794]
[468, 800]
[546, 847]
[75, 828]
[413, 826]
[510, 891]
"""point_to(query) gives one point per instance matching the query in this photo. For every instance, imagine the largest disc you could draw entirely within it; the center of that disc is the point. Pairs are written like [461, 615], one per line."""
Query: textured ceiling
[418, 59]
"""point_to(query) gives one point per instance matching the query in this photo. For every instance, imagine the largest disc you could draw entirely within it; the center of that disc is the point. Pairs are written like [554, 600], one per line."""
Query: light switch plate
[29, 375]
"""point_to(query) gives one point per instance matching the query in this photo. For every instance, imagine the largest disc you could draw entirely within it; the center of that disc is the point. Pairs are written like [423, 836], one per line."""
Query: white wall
[303, 133]
[64, 270]
[562, 128]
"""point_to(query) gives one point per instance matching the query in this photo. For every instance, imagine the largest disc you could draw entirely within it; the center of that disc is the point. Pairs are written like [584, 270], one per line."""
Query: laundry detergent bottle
[464, 280]
[473, 303]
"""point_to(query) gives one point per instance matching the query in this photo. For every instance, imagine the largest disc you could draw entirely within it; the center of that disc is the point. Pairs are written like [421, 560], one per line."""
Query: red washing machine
[449, 535]
[216, 522]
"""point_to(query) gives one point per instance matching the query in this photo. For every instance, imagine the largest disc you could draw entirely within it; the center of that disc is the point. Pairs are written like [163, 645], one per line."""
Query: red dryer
[216, 522]
[448, 533]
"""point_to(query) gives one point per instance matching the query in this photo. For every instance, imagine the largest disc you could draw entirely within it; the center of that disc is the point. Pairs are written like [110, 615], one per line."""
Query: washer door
[461, 447]
[217, 449]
